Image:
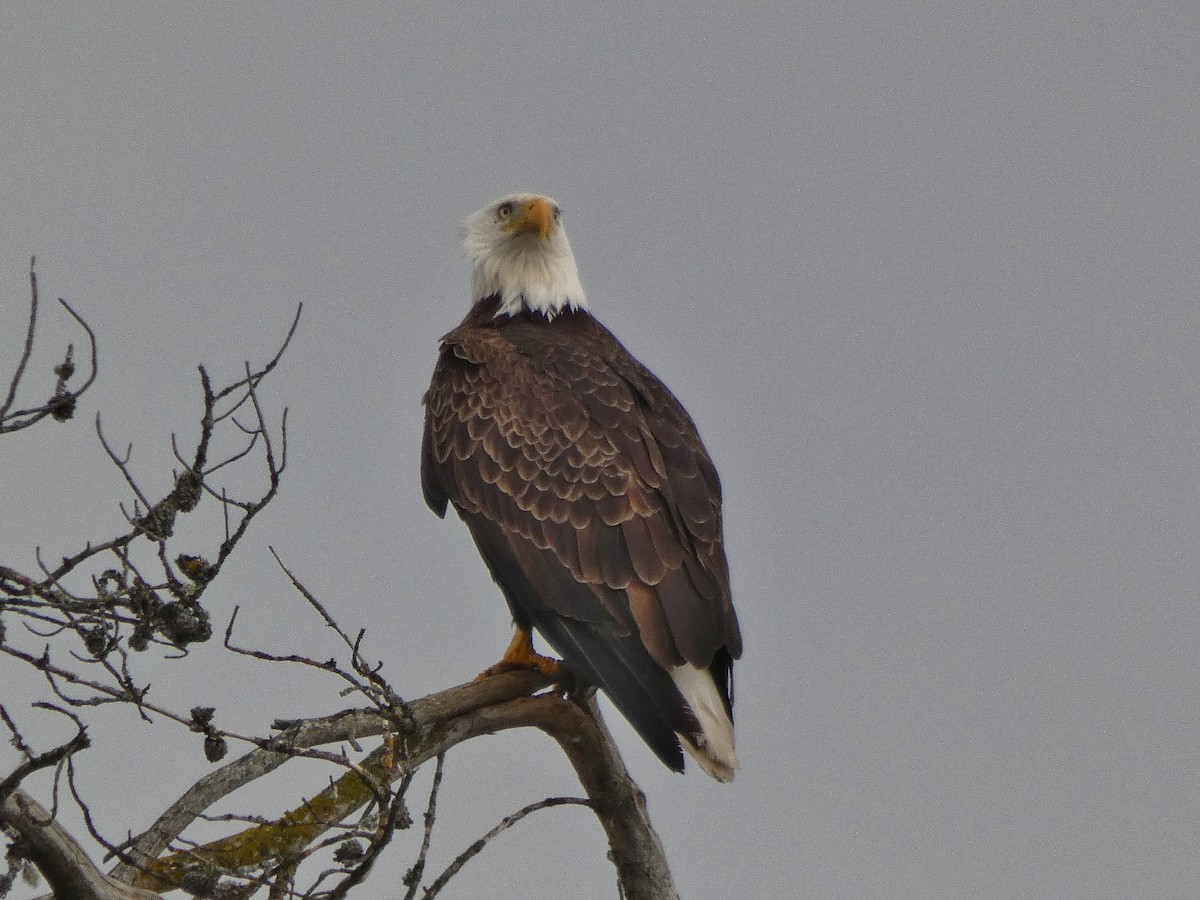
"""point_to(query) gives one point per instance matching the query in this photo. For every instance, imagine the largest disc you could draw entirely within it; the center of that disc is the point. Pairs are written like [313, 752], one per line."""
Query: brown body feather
[593, 501]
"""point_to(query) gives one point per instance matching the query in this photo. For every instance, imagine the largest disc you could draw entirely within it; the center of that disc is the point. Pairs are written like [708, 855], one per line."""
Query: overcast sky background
[925, 274]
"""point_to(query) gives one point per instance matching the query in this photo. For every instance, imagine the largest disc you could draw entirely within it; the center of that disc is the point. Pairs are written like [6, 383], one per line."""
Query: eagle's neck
[541, 279]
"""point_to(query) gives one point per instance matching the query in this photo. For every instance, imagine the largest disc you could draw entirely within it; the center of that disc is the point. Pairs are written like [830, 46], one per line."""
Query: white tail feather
[713, 748]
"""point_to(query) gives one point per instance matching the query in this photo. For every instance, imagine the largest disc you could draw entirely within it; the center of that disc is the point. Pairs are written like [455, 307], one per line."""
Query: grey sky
[924, 274]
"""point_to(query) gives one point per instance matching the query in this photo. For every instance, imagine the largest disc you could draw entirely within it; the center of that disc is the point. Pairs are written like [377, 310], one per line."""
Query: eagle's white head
[519, 250]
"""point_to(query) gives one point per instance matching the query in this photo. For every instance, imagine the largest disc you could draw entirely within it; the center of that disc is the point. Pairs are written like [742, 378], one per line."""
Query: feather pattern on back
[598, 511]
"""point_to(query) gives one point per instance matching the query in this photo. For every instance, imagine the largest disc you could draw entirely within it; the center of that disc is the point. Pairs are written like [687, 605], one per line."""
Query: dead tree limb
[616, 799]
[340, 727]
[440, 721]
[58, 856]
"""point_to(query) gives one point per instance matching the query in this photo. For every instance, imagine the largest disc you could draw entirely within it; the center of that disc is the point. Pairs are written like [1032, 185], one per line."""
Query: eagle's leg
[521, 655]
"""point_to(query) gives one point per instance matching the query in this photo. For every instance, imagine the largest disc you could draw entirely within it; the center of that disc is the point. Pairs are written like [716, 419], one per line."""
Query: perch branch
[427, 713]
[441, 721]
[619, 804]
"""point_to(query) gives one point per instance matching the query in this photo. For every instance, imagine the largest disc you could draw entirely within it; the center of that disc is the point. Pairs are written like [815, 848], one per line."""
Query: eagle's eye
[503, 211]
[557, 215]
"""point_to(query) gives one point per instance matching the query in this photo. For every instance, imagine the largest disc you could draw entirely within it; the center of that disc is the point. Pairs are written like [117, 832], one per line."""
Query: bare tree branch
[507, 822]
[442, 721]
[412, 877]
[434, 713]
[27, 350]
[61, 405]
[58, 856]
[35, 761]
[618, 802]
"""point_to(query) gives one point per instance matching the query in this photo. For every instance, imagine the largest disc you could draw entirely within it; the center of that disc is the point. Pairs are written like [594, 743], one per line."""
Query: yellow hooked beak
[536, 216]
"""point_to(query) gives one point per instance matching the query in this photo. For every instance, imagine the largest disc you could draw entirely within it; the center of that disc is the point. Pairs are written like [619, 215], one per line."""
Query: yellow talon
[520, 656]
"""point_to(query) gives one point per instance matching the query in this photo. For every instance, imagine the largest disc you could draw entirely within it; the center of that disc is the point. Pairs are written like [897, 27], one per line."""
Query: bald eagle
[586, 488]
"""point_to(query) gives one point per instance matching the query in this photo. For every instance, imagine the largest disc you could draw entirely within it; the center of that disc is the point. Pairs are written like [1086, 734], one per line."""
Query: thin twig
[61, 405]
[507, 822]
[413, 877]
[28, 347]
[35, 761]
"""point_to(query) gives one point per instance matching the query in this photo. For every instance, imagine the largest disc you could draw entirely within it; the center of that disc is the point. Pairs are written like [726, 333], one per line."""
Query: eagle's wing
[596, 507]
